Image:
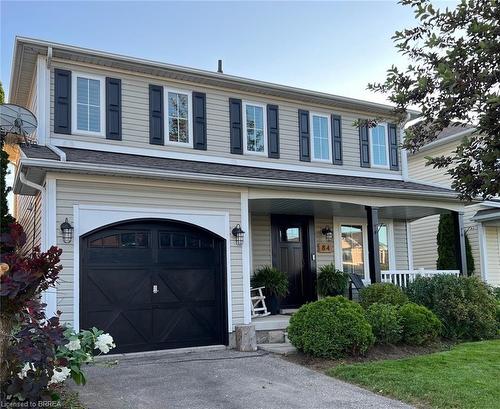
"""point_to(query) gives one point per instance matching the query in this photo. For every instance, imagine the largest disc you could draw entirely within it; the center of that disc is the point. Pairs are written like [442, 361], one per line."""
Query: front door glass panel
[352, 249]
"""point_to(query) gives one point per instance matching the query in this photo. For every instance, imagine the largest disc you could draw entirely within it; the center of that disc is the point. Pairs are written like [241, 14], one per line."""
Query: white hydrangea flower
[60, 374]
[104, 343]
[74, 345]
[24, 370]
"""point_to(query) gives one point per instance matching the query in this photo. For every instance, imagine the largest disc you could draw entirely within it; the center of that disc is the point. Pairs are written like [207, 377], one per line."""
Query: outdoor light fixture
[238, 233]
[67, 231]
[327, 232]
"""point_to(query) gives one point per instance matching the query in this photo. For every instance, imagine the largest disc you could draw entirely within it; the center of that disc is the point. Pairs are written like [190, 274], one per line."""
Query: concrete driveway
[219, 379]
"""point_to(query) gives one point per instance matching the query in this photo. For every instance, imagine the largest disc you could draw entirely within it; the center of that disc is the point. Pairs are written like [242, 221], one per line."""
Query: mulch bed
[376, 353]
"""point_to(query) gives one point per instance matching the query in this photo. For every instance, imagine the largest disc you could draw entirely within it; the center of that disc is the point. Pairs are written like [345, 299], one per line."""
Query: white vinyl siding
[493, 250]
[261, 241]
[29, 215]
[135, 121]
[143, 193]
[400, 245]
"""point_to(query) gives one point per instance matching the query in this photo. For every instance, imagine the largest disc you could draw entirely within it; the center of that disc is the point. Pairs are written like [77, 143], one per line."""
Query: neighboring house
[481, 220]
[157, 167]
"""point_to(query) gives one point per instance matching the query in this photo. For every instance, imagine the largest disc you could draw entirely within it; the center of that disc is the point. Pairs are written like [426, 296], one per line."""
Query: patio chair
[356, 281]
[258, 301]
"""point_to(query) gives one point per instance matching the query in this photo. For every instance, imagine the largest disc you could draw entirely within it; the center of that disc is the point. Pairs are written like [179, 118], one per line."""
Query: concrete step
[281, 348]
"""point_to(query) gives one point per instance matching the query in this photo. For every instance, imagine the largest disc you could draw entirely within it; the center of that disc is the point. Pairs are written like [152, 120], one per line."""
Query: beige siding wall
[135, 110]
[261, 241]
[424, 239]
[31, 220]
[424, 231]
[492, 234]
[323, 258]
[400, 245]
[144, 194]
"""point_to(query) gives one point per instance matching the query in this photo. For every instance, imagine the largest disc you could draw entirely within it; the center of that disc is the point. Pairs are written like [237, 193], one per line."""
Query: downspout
[24, 181]
[57, 151]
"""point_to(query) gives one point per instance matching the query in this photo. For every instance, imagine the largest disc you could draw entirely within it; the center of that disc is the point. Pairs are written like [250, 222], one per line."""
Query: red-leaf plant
[26, 335]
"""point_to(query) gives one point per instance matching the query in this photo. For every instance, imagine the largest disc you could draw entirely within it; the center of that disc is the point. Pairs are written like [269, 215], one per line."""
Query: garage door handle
[155, 289]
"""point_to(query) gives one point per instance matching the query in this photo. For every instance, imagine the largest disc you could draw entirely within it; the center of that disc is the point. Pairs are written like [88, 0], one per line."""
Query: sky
[336, 46]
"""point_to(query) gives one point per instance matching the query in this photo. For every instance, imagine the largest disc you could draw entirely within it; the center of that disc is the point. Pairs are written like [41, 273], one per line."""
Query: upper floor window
[254, 131]
[379, 150]
[320, 139]
[178, 123]
[88, 104]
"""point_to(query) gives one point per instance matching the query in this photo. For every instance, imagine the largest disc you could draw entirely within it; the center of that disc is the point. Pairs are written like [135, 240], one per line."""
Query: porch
[369, 237]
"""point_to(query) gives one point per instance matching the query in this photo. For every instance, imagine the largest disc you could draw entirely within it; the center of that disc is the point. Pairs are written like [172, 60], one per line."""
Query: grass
[466, 376]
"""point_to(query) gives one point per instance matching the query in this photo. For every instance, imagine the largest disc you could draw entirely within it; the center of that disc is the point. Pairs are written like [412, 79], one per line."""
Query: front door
[292, 255]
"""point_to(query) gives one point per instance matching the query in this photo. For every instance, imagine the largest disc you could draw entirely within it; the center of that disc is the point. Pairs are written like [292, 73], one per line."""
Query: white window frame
[337, 242]
[384, 124]
[264, 124]
[189, 94]
[74, 99]
[311, 142]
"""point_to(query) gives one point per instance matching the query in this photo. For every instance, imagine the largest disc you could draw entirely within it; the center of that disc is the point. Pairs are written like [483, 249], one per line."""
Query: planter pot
[273, 304]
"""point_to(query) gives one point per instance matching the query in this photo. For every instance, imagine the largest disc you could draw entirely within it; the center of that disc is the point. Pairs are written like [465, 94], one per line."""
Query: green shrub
[385, 322]
[465, 305]
[275, 281]
[332, 281]
[383, 293]
[331, 328]
[496, 292]
[420, 325]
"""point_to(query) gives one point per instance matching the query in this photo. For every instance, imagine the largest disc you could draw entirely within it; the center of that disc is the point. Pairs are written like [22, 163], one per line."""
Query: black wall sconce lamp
[67, 231]
[327, 232]
[238, 233]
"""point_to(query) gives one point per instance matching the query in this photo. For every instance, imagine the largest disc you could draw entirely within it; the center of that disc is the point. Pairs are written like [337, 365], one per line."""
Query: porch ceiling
[324, 208]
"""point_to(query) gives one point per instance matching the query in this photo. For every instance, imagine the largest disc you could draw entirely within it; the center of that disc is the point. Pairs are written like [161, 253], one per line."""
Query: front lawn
[466, 376]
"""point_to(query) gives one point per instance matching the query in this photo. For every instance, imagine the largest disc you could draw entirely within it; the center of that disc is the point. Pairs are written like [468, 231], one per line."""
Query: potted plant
[275, 283]
[331, 281]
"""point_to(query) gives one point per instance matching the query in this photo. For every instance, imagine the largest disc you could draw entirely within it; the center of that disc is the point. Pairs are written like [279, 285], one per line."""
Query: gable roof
[97, 161]
[26, 51]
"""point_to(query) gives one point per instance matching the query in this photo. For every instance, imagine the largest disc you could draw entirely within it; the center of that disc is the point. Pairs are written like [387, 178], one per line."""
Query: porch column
[460, 253]
[373, 244]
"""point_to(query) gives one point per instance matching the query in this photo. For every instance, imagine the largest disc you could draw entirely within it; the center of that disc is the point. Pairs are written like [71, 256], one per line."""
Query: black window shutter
[156, 129]
[393, 147]
[62, 101]
[235, 124]
[114, 109]
[364, 144]
[199, 121]
[304, 136]
[273, 132]
[337, 139]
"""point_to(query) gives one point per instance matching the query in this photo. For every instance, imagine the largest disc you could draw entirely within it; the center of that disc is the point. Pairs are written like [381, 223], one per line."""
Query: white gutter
[117, 170]
[57, 151]
[29, 183]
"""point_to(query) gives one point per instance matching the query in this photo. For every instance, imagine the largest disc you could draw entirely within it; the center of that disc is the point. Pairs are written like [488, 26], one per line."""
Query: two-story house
[179, 182]
[481, 220]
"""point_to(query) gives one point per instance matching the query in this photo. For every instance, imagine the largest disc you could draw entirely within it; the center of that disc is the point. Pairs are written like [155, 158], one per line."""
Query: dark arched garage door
[154, 285]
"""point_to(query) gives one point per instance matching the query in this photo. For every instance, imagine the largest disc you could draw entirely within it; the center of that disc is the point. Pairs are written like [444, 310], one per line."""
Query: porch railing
[402, 277]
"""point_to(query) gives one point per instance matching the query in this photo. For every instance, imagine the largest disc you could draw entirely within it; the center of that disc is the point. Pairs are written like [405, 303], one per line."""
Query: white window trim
[311, 142]
[102, 96]
[384, 124]
[245, 136]
[337, 242]
[189, 94]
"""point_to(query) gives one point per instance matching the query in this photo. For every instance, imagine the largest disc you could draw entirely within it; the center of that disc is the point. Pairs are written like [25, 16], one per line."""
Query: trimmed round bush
[330, 328]
[385, 322]
[465, 305]
[383, 293]
[420, 325]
